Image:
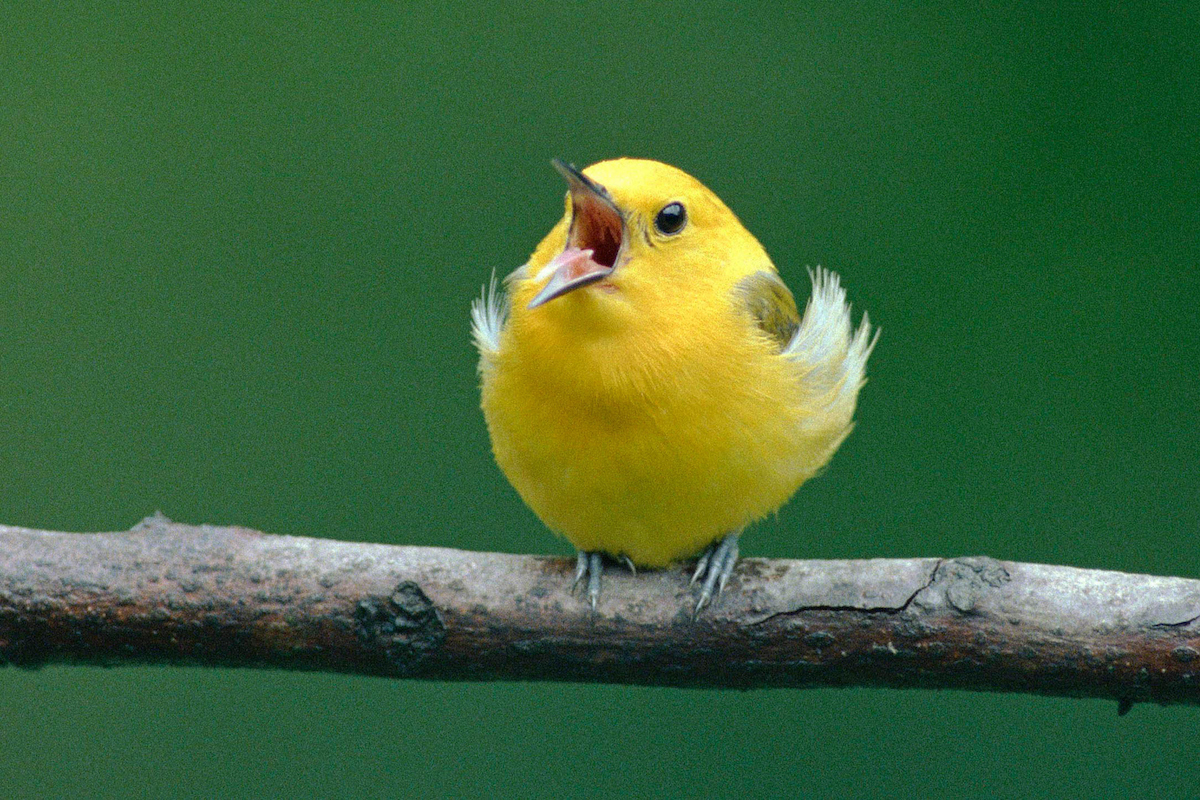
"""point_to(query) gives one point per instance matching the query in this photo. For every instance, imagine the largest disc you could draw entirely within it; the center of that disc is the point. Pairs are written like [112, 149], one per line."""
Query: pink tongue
[569, 270]
[573, 263]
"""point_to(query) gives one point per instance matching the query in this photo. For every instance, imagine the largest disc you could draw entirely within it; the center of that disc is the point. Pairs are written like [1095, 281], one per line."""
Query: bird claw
[581, 569]
[702, 564]
[591, 566]
[715, 566]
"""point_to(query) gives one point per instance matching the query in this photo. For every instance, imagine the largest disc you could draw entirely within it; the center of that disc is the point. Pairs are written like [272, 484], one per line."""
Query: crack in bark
[852, 609]
[1181, 624]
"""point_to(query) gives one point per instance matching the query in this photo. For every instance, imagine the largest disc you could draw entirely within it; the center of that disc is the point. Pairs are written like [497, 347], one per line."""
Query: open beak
[594, 239]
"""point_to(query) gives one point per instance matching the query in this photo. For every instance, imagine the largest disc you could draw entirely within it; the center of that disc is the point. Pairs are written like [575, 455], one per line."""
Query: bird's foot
[715, 566]
[591, 566]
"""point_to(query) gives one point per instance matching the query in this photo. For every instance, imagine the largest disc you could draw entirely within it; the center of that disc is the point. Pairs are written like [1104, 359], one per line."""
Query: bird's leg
[715, 566]
[590, 565]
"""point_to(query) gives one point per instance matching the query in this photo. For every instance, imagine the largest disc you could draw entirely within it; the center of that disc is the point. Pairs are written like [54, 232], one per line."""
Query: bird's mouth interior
[596, 226]
[594, 240]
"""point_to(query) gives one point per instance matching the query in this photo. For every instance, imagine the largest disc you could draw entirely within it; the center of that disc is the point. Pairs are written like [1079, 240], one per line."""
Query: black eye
[671, 219]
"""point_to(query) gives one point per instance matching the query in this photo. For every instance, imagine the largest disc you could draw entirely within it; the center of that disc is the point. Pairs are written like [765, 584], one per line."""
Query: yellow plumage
[663, 392]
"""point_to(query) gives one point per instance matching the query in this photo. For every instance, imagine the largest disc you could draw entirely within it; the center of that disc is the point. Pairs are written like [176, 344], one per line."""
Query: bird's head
[637, 235]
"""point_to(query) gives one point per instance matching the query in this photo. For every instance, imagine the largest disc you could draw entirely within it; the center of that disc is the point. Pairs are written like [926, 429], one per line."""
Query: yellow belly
[658, 467]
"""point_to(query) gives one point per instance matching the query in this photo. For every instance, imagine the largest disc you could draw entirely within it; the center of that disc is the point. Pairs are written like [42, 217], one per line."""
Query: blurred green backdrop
[237, 247]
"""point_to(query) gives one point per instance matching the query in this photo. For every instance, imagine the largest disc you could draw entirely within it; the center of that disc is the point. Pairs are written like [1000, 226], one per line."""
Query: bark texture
[165, 592]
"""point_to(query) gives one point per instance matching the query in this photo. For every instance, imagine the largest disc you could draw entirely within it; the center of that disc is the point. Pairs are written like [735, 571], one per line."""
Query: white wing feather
[833, 360]
[489, 312]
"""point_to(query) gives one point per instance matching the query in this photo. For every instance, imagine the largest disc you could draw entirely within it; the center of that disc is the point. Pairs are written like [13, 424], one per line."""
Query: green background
[237, 249]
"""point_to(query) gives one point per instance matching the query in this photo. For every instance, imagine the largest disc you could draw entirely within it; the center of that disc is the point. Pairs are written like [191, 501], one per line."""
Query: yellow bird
[649, 386]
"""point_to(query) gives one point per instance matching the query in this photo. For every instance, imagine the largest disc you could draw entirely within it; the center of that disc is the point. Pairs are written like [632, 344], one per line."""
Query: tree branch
[171, 593]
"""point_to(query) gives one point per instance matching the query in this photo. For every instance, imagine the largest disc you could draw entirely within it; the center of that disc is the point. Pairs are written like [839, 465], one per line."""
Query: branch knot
[405, 625]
